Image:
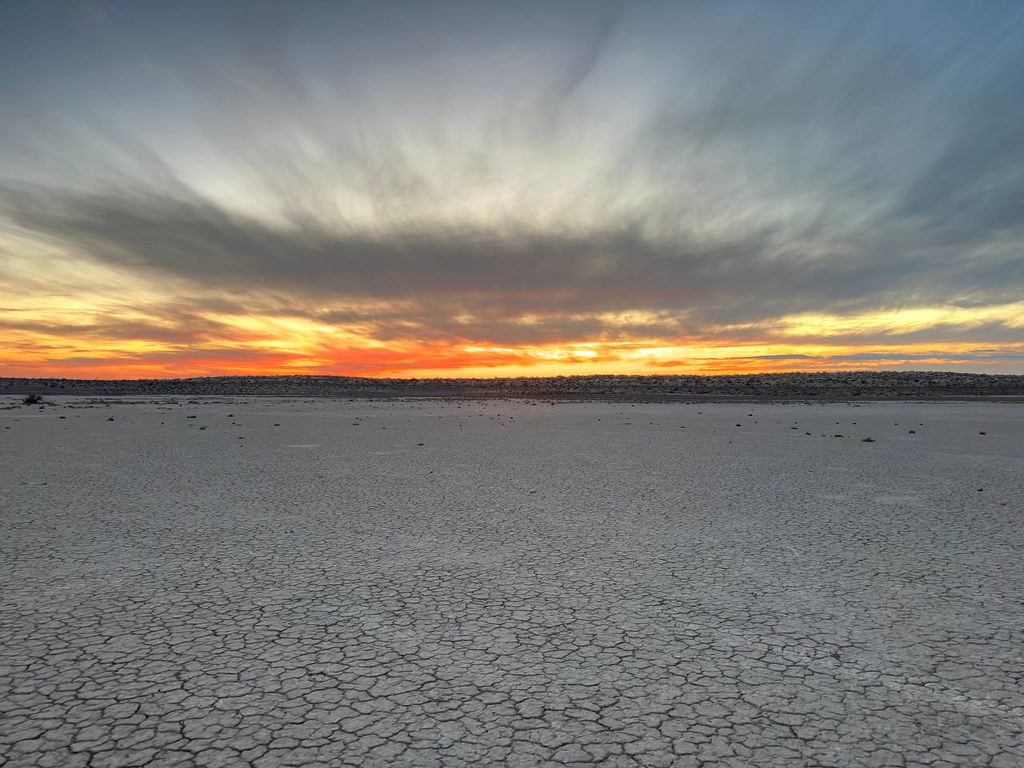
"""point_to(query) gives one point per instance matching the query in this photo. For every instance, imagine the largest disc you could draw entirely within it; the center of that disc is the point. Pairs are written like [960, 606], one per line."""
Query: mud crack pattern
[521, 584]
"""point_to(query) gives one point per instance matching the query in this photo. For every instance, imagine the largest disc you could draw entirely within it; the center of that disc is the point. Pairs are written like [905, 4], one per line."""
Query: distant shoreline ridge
[831, 385]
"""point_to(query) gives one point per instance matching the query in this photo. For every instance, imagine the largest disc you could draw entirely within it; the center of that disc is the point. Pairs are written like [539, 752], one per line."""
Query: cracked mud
[285, 583]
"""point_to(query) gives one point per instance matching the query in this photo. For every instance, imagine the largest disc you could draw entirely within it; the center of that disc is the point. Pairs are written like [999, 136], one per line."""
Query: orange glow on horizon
[82, 341]
[455, 361]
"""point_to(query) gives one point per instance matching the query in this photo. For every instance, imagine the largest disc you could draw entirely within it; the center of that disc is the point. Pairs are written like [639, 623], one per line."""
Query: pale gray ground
[533, 585]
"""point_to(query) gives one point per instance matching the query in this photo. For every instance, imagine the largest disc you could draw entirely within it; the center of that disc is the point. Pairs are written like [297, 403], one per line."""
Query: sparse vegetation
[885, 385]
[33, 399]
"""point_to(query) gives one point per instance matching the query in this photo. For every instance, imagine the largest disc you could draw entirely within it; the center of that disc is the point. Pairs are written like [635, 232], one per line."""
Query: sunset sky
[484, 189]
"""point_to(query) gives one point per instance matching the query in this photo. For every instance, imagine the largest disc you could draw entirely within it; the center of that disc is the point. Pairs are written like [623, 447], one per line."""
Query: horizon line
[779, 374]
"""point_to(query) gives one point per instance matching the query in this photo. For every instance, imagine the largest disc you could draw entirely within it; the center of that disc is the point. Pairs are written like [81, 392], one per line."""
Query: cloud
[527, 177]
[492, 277]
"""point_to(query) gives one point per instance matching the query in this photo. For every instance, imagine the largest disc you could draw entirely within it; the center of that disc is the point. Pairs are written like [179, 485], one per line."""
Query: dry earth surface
[269, 582]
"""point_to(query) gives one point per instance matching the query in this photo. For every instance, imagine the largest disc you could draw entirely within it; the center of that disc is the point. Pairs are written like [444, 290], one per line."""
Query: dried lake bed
[276, 582]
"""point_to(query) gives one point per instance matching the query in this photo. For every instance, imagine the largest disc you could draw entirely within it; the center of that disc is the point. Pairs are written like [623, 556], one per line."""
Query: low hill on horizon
[826, 385]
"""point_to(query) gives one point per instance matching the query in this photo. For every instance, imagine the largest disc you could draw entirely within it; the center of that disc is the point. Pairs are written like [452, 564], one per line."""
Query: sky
[480, 188]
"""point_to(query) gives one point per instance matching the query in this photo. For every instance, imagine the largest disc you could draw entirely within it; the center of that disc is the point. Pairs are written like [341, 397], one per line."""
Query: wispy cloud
[538, 177]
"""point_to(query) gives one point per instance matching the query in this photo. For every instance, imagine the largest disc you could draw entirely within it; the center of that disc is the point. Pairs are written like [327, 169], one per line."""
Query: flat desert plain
[271, 582]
